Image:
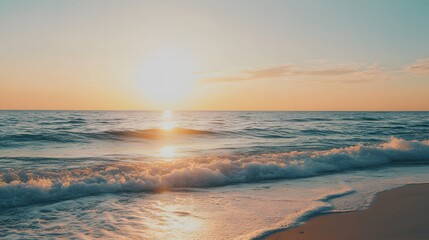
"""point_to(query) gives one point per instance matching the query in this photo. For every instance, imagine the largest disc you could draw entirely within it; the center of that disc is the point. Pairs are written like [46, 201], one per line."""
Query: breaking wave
[23, 187]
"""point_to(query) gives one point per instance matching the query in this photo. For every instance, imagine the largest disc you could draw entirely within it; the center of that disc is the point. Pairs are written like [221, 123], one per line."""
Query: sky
[214, 55]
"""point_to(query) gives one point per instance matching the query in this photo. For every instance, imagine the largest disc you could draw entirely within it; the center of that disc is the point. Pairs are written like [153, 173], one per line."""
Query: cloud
[337, 73]
[419, 67]
[372, 74]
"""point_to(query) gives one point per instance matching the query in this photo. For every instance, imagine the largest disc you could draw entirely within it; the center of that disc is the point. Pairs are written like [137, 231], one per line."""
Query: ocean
[197, 175]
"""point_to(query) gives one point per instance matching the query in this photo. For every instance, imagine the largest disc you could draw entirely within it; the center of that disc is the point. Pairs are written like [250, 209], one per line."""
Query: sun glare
[167, 77]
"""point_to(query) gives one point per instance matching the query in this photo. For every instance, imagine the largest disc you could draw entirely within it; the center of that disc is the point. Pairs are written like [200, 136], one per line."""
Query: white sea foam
[315, 207]
[18, 188]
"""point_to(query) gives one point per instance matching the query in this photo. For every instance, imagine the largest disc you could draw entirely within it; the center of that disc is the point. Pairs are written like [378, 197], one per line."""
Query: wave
[73, 137]
[371, 119]
[308, 119]
[264, 133]
[318, 119]
[16, 139]
[74, 121]
[157, 133]
[22, 187]
[318, 132]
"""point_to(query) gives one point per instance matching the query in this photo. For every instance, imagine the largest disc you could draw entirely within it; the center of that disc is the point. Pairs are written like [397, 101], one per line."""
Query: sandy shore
[400, 213]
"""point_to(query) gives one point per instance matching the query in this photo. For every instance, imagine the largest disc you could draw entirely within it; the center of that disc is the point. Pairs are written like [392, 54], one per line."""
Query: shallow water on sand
[181, 175]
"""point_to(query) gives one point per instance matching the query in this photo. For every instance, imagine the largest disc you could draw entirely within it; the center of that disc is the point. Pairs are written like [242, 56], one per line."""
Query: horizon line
[189, 110]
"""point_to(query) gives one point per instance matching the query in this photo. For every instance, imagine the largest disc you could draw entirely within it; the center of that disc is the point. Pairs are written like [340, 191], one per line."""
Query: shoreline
[398, 213]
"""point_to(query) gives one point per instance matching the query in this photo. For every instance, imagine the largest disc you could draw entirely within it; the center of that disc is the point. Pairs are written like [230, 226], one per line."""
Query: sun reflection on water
[181, 221]
[166, 114]
[168, 152]
[168, 125]
[174, 221]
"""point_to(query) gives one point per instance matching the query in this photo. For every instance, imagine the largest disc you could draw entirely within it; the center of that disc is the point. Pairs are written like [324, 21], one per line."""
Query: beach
[400, 213]
[214, 120]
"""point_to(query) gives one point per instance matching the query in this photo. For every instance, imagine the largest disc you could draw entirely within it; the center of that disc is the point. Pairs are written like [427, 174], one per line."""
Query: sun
[167, 77]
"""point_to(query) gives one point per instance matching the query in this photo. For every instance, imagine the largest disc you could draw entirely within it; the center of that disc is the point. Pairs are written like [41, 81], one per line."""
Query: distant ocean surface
[197, 175]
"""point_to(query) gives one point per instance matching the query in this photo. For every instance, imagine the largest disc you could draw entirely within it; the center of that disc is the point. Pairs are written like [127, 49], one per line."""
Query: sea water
[197, 175]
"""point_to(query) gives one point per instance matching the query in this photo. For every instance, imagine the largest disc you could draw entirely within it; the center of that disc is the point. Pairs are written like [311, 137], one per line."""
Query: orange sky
[212, 56]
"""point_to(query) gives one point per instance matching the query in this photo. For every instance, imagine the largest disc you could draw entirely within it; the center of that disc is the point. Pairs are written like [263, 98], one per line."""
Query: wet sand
[401, 213]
